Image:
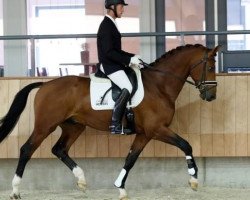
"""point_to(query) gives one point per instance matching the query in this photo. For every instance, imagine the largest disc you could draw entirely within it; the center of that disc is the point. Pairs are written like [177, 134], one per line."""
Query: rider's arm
[111, 51]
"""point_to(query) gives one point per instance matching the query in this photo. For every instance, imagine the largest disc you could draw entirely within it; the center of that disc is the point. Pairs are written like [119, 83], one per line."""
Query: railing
[182, 35]
[141, 34]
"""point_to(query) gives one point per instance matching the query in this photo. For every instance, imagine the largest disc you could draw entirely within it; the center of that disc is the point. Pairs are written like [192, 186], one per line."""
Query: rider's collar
[113, 20]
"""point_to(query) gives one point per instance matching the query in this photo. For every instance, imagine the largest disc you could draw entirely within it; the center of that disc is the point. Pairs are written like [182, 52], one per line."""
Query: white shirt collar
[113, 20]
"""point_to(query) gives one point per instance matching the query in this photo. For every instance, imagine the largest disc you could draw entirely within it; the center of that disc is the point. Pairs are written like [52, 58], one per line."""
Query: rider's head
[115, 7]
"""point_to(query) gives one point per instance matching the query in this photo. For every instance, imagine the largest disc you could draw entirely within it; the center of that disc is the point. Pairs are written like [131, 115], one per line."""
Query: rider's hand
[136, 60]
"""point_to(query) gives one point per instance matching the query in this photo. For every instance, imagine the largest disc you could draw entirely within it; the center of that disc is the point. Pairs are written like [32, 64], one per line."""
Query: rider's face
[120, 10]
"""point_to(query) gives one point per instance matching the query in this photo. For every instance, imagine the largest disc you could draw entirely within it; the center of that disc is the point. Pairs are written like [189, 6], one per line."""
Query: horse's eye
[211, 69]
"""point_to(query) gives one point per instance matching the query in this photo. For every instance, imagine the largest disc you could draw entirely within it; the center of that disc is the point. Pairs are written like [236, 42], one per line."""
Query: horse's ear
[215, 50]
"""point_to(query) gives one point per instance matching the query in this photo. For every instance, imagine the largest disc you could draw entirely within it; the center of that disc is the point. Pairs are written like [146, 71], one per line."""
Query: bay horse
[65, 102]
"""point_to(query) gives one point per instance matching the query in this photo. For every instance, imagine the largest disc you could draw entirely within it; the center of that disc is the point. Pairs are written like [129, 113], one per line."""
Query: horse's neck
[171, 79]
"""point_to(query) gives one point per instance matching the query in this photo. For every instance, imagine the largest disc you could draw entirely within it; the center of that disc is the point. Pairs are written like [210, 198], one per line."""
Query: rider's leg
[121, 80]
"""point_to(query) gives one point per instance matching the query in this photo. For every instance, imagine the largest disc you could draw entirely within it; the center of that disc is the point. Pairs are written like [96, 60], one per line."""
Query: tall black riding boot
[118, 112]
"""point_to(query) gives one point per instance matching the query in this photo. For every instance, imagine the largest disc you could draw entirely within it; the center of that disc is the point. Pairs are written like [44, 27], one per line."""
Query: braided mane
[176, 50]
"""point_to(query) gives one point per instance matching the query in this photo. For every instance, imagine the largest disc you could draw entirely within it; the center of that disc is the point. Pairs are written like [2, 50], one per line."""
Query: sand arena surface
[185, 193]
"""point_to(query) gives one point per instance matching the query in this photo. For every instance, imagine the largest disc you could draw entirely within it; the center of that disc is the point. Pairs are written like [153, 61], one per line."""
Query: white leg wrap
[188, 157]
[118, 181]
[191, 171]
[78, 172]
[15, 184]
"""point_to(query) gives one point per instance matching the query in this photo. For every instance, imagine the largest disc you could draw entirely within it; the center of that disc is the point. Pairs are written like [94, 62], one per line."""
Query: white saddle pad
[98, 87]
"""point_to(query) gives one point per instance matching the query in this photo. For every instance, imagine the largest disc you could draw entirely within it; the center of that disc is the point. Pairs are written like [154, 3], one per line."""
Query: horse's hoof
[193, 184]
[123, 194]
[82, 186]
[15, 196]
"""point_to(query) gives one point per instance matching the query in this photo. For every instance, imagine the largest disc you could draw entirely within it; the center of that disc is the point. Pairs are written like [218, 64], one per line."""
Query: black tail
[8, 122]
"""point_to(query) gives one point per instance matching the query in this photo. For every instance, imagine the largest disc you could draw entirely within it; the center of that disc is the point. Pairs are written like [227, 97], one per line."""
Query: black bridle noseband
[201, 84]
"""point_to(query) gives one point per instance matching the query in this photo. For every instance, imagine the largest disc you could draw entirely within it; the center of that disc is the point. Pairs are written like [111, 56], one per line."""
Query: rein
[147, 66]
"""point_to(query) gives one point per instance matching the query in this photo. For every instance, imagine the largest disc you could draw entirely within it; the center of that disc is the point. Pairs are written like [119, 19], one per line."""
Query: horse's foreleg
[70, 132]
[168, 136]
[138, 145]
[192, 167]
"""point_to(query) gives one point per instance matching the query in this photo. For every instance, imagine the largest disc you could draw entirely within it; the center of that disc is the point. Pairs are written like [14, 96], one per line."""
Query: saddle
[104, 93]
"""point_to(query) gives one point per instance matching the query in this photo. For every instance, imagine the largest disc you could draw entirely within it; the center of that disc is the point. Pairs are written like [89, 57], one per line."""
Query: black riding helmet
[109, 3]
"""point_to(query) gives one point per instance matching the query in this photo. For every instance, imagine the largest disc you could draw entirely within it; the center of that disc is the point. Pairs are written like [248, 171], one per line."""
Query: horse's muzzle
[208, 90]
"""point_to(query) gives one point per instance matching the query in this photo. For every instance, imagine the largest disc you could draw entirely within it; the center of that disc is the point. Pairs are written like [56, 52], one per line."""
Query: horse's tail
[8, 122]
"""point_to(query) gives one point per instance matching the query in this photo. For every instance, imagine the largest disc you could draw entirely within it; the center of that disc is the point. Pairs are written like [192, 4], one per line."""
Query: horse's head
[203, 73]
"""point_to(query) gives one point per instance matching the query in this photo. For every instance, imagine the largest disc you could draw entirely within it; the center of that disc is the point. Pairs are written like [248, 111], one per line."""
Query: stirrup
[119, 129]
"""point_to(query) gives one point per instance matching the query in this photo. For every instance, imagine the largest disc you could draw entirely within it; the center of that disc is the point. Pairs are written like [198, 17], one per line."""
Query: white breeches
[120, 79]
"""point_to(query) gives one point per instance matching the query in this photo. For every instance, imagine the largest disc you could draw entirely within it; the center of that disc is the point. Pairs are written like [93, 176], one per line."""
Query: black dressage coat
[110, 54]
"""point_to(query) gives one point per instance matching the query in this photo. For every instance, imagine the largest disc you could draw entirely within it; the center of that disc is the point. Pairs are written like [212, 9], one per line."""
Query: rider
[113, 61]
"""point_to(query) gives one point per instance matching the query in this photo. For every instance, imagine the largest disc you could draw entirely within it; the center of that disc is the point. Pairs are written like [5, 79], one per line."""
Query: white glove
[135, 60]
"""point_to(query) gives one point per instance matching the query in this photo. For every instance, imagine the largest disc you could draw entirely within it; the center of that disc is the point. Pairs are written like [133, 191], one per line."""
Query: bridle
[203, 85]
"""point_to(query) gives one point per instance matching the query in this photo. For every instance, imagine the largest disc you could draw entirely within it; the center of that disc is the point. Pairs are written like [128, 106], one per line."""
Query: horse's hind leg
[26, 152]
[168, 136]
[70, 132]
[138, 145]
